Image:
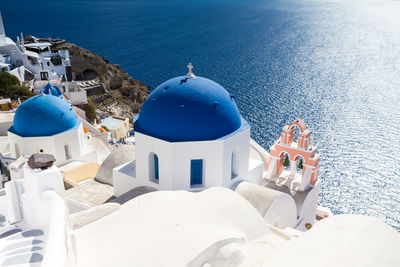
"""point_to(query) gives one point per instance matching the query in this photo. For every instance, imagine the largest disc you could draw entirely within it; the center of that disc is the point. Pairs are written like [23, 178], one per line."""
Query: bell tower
[299, 155]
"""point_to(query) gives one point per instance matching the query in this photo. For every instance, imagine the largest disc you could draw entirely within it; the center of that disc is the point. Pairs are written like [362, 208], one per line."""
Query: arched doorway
[89, 74]
[153, 168]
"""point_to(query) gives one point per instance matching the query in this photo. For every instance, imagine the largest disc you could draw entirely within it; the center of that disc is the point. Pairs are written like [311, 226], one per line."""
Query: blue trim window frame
[156, 170]
[154, 173]
[196, 172]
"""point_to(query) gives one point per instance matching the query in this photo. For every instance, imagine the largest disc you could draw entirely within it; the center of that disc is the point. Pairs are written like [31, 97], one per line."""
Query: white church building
[189, 136]
[47, 124]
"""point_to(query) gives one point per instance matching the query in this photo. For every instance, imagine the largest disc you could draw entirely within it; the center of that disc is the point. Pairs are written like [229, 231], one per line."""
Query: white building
[189, 136]
[47, 124]
[74, 93]
[37, 58]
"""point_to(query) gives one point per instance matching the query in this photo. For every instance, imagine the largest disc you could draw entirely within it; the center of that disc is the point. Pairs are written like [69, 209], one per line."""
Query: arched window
[235, 164]
[296, 132]
[153, 168]
[286, 162]
[299, 164]
[67, 152]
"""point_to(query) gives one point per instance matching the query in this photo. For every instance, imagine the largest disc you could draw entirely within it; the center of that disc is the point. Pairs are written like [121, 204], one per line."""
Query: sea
[333, 63]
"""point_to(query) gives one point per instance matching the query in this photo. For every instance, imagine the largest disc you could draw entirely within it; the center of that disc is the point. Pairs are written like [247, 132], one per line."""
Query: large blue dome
[43, 115]
[188, 109]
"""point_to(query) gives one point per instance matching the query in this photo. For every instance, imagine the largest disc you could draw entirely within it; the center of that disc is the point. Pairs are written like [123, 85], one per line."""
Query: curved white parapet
[306, 203]
[58, 248]
[168, 228]
[264, 155]
[37, 203]
[212, 254]
[35, 182]
[342, 240]
[277, 208]
[23, 244]
[14, 200]
[84, 217]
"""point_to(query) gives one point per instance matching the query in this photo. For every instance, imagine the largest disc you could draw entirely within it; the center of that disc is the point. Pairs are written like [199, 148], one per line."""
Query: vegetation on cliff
[90, 110]
[11, 88]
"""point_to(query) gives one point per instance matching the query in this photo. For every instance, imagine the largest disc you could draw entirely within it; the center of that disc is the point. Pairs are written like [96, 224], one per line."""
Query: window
[234, 164]
[196, 172]
[154, 174]
[56, 60]
[67, 152]
[44, 76]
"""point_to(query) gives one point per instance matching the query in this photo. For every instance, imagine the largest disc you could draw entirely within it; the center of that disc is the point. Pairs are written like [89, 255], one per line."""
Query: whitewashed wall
[174, 163]
[77, 98]
[50, 144]
[15, 55]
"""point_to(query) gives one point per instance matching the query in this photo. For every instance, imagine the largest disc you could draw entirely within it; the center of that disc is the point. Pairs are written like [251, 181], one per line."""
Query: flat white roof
[3, 101]
[32, 54]
[6, 116]
[111, 122]
[38, 45]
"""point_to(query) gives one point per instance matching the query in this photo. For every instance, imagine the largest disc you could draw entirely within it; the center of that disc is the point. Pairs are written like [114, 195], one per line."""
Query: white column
[305, 181]
[271, 172]
[13, 197]
[293, 167]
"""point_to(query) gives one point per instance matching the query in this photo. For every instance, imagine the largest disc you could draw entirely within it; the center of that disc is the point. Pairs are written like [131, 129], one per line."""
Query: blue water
[336, 64]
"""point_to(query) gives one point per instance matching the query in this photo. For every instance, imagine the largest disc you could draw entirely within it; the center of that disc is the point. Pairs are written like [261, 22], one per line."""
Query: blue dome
[50, 89]
[193, 109]
[43, 115]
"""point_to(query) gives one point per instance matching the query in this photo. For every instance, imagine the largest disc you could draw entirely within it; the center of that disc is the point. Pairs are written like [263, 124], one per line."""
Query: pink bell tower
[286, 149]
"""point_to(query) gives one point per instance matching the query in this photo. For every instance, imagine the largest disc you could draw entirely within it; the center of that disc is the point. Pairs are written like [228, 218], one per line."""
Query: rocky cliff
[122, 95]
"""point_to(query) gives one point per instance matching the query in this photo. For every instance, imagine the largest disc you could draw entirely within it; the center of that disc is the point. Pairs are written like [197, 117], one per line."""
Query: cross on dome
[190, 67]
[190, 74]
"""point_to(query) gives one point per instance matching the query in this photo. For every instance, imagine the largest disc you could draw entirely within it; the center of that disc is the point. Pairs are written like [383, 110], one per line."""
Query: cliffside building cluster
[37, 62]
[37, 59]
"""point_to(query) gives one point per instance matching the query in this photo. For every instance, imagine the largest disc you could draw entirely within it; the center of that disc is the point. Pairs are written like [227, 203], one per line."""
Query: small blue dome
[50, 89]
[43, 115]
[188, 109]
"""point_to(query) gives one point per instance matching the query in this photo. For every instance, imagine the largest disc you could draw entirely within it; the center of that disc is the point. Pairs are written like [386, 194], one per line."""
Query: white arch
[152, 166]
